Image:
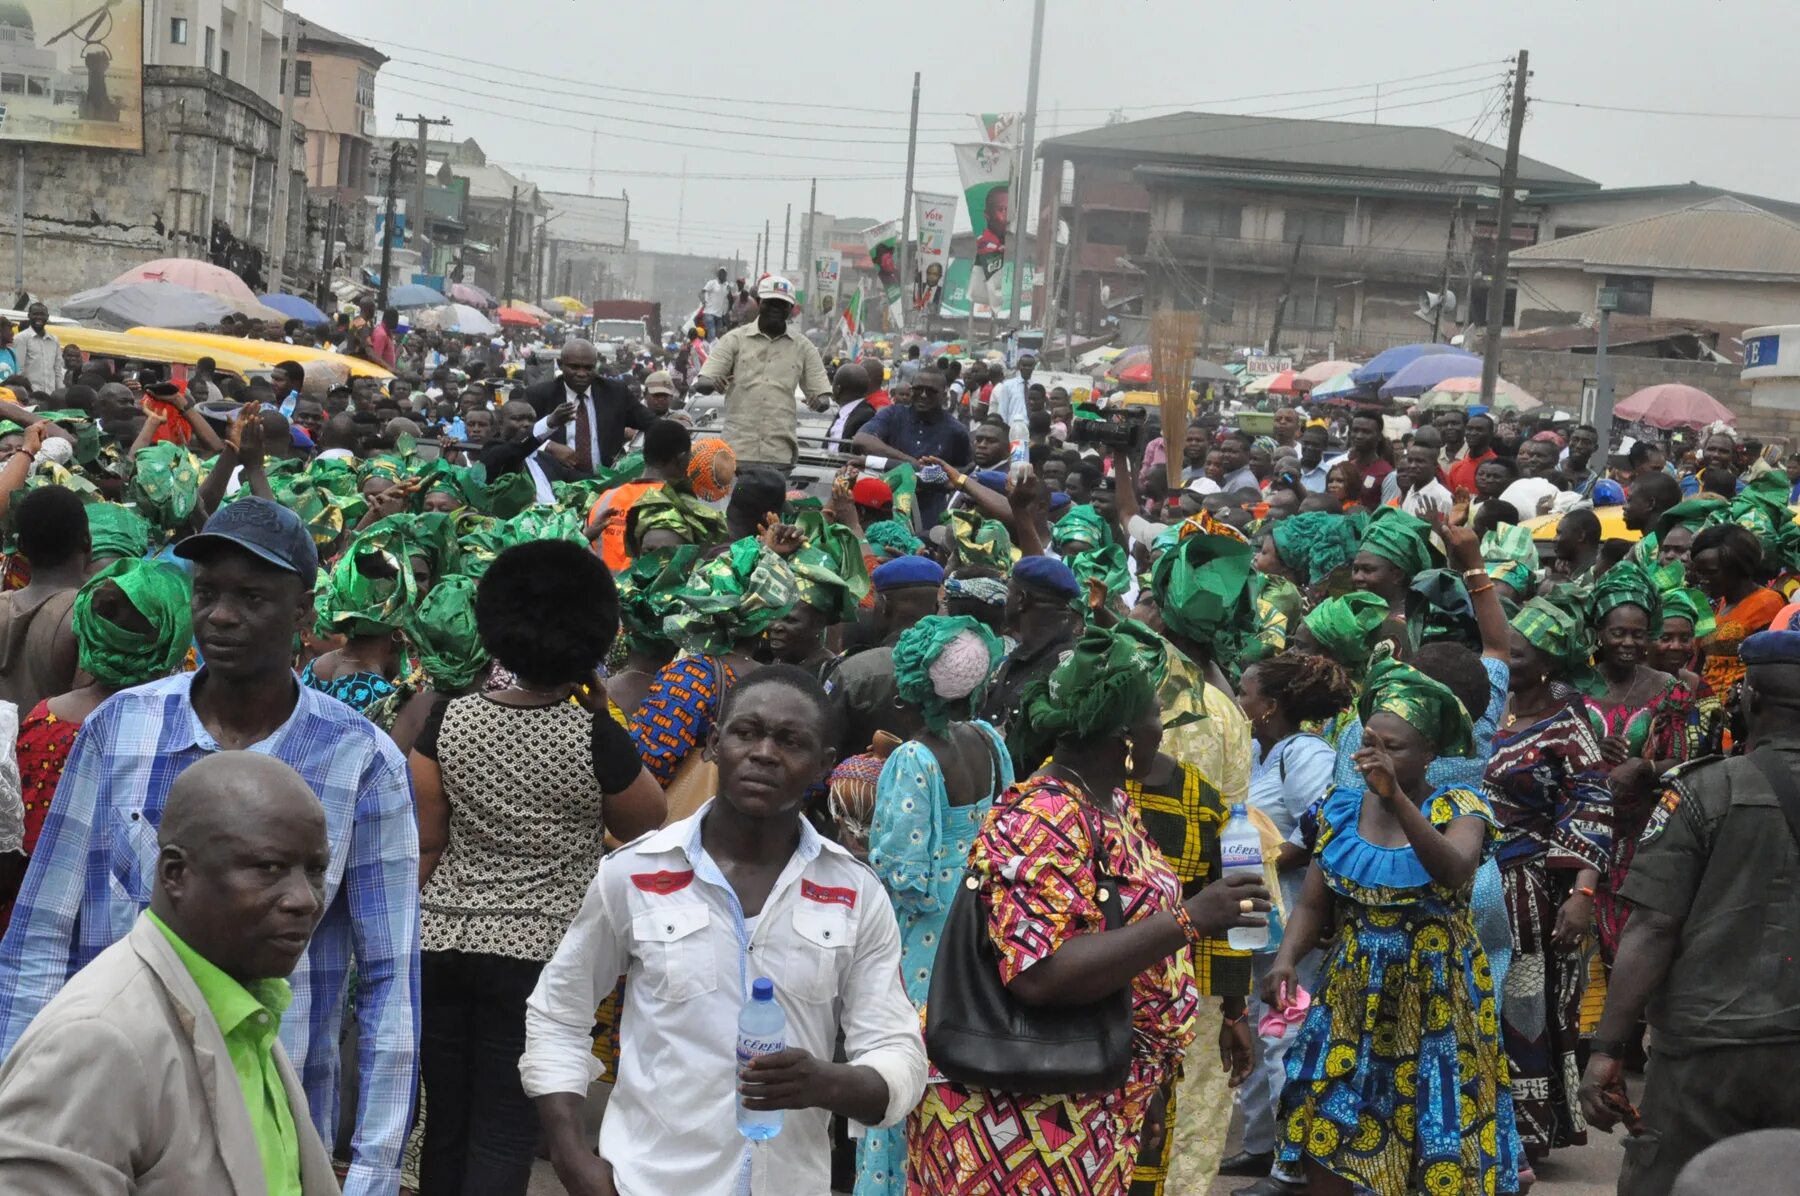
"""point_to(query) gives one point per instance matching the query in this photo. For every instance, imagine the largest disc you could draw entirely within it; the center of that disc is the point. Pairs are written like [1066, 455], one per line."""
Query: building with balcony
[237, 39]
[1224, 214]
[334, 98]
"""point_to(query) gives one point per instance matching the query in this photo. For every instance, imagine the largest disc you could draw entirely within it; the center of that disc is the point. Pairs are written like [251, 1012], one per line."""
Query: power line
[1672, 111]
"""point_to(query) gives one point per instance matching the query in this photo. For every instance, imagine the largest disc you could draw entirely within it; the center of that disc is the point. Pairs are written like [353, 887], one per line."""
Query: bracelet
[1585, 891]
[1188, 929]
[1475, 574]
[1480, 589]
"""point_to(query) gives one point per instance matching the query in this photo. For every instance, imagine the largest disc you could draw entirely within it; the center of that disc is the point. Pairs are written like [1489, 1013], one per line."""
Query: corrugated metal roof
[1718, 236]
[1622, 330]
[1308, 180]
[314, 34]
[1358, 148]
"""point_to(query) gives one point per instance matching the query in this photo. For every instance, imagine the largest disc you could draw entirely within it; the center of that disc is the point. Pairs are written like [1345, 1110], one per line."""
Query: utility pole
[1206, 300]
[1607, 301]
[512, 225]
[1509, 180]
[415, 217]
[787, 228]
[1287, 291]
[906, 206]
[755, 257]
[681, 206]
[331, 221]
[1015, 238]
[807, 277]
[765, 247]
[387, 229]
[278, 217]
[1437, 310]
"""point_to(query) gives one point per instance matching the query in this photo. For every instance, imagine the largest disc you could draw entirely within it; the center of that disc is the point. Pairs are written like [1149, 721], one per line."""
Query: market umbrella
[412, 294]
[567, 302]
[516, 317]
[469, 293]
[1466, 392]
[1335, 388]
[1135, 375]
[293, 307]
[192, 273]
[1423, 373]
[1324, 371]
[1210, 371]
[455, 317]
[1279, 383]
[1673, 405]
[1388, 362]
[1136, 355]
[530, 309]
[157, 304]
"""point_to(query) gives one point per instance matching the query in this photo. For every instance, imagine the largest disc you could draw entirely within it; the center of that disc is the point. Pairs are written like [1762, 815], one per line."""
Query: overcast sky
[803, 87]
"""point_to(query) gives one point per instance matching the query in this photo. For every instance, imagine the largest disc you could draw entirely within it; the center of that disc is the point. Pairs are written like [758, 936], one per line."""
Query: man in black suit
[521, 449]
[584, 411]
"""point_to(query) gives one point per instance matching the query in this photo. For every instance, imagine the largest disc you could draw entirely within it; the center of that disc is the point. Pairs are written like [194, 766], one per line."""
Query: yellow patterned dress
[1397, 1081]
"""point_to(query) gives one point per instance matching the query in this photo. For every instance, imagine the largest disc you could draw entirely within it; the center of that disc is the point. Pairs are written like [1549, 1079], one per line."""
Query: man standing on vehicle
[1009, 399]
[759, 366]
[585, 411]
[715, 302]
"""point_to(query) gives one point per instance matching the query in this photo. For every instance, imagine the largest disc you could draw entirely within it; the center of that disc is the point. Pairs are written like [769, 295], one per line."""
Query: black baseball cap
[262, 528]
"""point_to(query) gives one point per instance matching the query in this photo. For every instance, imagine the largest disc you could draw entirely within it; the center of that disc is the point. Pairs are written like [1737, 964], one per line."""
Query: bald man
[1763, 1161]
[157, 1069]
[584, 410]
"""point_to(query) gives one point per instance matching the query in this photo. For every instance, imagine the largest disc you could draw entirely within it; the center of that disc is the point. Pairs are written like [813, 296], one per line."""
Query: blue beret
[993, 479]
[1771, 647]
[907, 571]
[1048, 575]
[1060, 501]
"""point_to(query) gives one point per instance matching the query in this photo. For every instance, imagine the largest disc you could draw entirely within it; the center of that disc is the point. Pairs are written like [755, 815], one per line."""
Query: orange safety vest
[611, 509]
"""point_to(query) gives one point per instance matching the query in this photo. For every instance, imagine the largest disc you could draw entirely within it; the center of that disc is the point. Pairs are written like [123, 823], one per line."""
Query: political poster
[986, 171]
[827, 272]
[995, 301]
[72, 73]
[936, 215]
[883, 241]
[1001, 126]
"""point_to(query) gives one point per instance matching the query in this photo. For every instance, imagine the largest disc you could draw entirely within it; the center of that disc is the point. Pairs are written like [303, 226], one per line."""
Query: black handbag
[979, 1035]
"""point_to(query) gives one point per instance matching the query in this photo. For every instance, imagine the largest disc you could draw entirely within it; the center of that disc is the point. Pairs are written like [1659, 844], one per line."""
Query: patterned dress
[678, 712]
[1397, 1081]
[43, 748]
[1734, 624]
[359, 690]
[919, 845]
[1547, 784]
[1037, 858]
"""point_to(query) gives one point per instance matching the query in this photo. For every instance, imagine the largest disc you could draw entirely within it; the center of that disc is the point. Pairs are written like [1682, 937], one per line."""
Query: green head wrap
[369, 591]
[980, 541]
[385, 466]
[668, 508]
[942, 665]
[1109, 564]
[165, 484]
[1626, 584]
[115, 656]
[1762, 506]
[891, 538]
[430, 535]
[1315, 543]
[83, 427]
[117, 531]
[442, 630]
[1099, 691]
[324, 511]
[1347, 627]
[1436, 713]
[1511, 556]
[647, 591]
[469, 485]
[546, 523]
[1562, 636]
[1401, 539]
[733, 597]
[334, 475]
[579, 496]
[1682, 601]
[1202, 586]
[830, 571]
[1080, 525]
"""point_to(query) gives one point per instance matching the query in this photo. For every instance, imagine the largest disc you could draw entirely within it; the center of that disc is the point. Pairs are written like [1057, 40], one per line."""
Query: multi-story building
[1224, 214]
[237, 39]
[334, 98]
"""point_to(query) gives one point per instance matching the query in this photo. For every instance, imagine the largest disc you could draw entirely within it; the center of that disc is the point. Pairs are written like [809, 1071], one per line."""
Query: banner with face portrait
[986, 170]
[822, 294]
[936, 215]
[883, 241]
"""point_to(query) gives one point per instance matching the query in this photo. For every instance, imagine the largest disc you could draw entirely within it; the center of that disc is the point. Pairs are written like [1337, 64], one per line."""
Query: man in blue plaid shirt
[254, 567]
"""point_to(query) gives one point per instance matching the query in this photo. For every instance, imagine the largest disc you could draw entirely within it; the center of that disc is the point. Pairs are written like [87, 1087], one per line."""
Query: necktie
[584, 433]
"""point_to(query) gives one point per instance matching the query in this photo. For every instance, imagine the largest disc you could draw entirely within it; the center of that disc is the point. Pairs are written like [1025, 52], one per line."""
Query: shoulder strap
[1780, 779]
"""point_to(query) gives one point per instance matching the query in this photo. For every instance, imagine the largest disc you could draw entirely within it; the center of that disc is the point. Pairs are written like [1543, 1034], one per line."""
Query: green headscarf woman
[116, 533]
[366, 597]
[667, 516]
[942, 666]
[164, 485]
[1346, 628]
[1511, 558]
[1202, 591]
[646, 597]
[450, 657]
[1626, 607]
[132, 622]
[1395, 549]
[1308, 547]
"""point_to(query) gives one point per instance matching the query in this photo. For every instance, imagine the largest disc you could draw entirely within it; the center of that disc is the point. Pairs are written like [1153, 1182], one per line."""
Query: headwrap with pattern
[1109, 565]
[1762, 506]
[165, 484]
[120, 658]
[1202, 586]
[890, 538]
[668, 508]
[502, 498]
[942, 665]
[1401, 539]
[1561, 635]
[731, 598]
[1080, 525]
[117, 531]
[831, 572]
[1100, 690]
[989, 591]
[369, 591]
[1511, 556]
[1315, 543]
[712, 467]
[647, 591]
[1626, 584]
[1436, 713]
[980, 541]
[441, 628]
[1348, 628]
[1682, 601]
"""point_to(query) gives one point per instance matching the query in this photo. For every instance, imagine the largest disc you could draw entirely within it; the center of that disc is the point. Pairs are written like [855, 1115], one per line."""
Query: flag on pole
[935, 215]
[850, 327]
[986, 169]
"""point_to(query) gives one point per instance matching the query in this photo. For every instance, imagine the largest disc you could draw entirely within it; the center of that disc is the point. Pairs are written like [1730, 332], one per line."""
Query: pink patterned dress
[1038, 863]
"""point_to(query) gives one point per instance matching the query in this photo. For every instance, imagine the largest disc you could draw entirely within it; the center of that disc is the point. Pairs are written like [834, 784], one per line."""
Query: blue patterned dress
[359, 691]
[1397, 1081]
[919, 846]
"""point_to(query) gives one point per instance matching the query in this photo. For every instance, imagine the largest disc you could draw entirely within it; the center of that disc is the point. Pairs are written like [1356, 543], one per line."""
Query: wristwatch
[1612, 1048]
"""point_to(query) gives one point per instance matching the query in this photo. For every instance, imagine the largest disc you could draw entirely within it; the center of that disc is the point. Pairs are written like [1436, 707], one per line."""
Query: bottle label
[1240, 854]
[750, 1048]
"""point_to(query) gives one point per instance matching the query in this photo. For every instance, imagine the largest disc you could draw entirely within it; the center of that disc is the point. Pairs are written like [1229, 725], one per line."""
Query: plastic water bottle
[1240, 850]
[1019, 432]
[762, 1030]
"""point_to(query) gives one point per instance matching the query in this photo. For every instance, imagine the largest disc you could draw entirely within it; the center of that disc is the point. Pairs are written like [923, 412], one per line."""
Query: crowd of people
[393, 764]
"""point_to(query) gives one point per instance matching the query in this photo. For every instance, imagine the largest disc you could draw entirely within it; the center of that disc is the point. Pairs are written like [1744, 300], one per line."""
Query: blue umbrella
[1426, 372]
[296, 308]
[1388, 362]
[411, 294]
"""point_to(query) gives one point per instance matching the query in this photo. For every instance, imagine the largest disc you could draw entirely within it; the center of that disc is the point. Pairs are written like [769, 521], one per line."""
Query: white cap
[774, 286]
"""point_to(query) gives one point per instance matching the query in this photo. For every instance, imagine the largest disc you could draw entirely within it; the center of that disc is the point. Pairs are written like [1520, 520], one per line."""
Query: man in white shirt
[39, 352]
[1009, 400]
[715, 303]
[1418, 490]
[691, 915]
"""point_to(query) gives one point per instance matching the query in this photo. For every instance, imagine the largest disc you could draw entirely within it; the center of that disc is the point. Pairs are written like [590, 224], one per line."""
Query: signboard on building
[1257, 366]
[1760, 351]
[73, 73]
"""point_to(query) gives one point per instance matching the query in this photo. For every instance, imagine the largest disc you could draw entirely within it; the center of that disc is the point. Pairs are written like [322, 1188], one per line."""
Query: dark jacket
[614, 407]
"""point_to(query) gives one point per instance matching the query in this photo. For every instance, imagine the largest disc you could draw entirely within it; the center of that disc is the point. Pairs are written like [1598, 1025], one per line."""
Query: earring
[1130, 760]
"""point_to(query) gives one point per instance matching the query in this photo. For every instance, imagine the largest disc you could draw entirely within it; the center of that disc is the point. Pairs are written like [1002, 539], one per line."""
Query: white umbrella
[455, 317]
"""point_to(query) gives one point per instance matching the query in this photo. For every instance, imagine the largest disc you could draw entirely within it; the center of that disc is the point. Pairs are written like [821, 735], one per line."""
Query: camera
[1121, 428]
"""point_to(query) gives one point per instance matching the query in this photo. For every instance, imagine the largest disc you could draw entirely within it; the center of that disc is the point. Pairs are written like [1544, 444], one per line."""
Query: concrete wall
[1544, 292]
[1559, 378]
[209, 155]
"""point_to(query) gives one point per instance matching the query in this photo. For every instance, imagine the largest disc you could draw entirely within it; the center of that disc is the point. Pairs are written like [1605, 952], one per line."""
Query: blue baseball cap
[262, 528]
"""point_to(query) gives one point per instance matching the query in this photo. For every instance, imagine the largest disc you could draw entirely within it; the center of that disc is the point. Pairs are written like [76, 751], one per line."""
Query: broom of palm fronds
[1174, 336]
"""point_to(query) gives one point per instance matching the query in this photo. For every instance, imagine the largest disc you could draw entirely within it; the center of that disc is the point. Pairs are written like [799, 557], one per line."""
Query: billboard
[822, 297]
[72, 73]
[935, 215]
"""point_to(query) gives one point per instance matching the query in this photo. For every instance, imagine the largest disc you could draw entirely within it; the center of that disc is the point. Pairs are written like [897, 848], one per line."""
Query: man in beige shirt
[759, 367]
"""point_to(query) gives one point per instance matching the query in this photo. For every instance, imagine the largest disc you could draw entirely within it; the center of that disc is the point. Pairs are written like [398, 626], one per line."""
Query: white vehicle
[609, 336]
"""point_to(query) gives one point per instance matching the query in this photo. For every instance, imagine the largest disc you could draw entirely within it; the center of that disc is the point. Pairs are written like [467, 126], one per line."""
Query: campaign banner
[961, 280]
[850, 325]
[73, 73]
[986, 171]
[822, 293]
[1001, 126]
[883, 241]
[936, 215]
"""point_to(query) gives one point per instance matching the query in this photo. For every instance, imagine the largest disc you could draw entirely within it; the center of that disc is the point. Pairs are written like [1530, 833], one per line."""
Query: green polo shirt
[250, 1018]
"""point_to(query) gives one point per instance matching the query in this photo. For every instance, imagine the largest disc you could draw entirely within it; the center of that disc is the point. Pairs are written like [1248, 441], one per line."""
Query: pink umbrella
[1325, 371]
[462, 292]
[193, 274]
[1673, 405]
